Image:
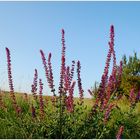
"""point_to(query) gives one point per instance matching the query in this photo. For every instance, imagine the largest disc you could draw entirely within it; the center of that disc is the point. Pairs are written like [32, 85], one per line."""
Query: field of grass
[24, 125]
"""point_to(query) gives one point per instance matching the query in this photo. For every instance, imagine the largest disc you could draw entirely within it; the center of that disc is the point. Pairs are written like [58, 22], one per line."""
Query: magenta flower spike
[34, 85]
[11, 86]
[81, 91]
[51, 81]
[63, 67]
[41, 98]
[121, 129]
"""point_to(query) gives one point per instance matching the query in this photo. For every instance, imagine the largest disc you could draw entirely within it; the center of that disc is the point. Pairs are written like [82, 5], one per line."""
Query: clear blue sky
[27, 27]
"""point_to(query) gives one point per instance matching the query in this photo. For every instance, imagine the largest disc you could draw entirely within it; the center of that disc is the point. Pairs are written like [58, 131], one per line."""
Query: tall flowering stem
[70, 99]
[121, 129]
[81, 91]
[111, 45]
[62, 94]
[41, 98]
[104, 77]
[109, 83]
[45, 65]
[48, 71]
[51, 81]
[34, 85]
[63, 67]
[67, 79]
[72, 71]
[132, 97]
[107, 112]
[11, 86]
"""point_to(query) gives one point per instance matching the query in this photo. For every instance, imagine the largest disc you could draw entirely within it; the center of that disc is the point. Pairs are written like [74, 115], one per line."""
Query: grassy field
[24, 125]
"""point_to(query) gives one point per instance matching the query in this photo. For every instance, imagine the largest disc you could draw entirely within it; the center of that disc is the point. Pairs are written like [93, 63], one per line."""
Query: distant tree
[131, 74]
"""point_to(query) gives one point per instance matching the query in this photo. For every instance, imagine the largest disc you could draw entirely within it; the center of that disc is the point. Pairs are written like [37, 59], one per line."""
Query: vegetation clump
[114, 112]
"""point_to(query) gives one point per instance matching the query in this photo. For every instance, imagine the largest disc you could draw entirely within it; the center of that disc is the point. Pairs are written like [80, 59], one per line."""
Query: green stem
[102, 133]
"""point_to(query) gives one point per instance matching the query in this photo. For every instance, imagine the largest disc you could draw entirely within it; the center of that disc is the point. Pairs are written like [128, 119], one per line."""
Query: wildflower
[62, 73]
[105, 102]
[72, 71]
[104, 77]
[70, 100]
[95, 106]
[45, 66]
[11, 86]
[79, 82]
[107, 112]
[34, 85]
[132, 97]
[67, 79]
[108, 85]
[51, 81]
[41, 99]
[121, 129]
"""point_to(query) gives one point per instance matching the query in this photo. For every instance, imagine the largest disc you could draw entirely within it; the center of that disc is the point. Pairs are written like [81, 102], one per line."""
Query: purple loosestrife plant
[81, 91]
[70, 98]
[45, 66]
[104, 78]
[63, 67]
[72, 71]
[121, 129]
[108, 86]
[132, 97]
[34, 85]
[67, 79]
[11, 86]
[41, 98]
[107, 112]
[111, 44]
[51, 81]
[49, 74]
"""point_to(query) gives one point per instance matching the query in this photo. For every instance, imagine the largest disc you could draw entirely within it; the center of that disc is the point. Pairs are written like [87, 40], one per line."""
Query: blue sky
[27, 27]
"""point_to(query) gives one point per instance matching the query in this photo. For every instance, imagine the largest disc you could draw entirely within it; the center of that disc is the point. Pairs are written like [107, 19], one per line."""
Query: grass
[26, 127]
